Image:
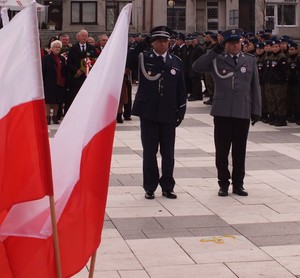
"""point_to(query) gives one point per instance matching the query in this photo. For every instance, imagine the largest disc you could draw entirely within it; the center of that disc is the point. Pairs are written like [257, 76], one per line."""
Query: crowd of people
[247, 77]
[277, 58]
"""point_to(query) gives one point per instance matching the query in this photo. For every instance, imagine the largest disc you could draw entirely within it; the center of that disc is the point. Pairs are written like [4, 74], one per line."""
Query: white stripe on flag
[88, 115]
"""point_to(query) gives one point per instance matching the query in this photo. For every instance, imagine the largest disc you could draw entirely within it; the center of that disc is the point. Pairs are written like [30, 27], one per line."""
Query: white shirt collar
[163, 55]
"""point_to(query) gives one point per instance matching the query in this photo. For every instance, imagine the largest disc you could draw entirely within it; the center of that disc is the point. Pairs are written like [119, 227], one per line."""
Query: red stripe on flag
[25, 166]
[81, 223]
[5, 269]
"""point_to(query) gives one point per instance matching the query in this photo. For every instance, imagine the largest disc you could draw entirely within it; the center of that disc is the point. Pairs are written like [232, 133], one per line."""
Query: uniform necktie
[234, 59]
[82, 48]
[161, 58]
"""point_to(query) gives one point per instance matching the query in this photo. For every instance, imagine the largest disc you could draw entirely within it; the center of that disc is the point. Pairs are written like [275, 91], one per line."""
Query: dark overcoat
[54, 94]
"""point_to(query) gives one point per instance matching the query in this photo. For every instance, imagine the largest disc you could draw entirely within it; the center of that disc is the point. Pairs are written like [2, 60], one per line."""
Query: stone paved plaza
[201, 234]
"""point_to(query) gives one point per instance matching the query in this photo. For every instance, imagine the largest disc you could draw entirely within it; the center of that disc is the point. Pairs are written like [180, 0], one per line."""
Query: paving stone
[122, 150]
[216, 231]
[126, 128]
[274, 137]
[188, 122]
[191, 221]
[275, 240]
[269, 229]
[259, 269]
[139, 223]
[132, 234]
[194, 172]
[191, 153]
[168, 233]
[108, 225]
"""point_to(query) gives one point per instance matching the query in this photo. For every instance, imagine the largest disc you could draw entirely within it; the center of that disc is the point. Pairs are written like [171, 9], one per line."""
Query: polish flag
[25, 167]
[81, 156]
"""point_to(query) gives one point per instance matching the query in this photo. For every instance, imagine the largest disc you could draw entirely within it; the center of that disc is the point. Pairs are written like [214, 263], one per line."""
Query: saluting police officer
[160, 103]
[237, 99]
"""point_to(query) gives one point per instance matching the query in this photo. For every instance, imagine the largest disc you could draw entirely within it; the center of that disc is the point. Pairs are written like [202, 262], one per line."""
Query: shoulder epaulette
[175, 57]
[249, 54]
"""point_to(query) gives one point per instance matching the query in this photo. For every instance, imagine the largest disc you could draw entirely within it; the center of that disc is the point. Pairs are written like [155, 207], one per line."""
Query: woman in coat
[54, 76]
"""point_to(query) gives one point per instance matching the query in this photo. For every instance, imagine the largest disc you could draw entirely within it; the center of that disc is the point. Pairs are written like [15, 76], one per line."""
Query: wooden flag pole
[55, 237]
[92, 265]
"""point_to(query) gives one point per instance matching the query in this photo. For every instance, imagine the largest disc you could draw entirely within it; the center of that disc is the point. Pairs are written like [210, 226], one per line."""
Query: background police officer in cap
[237, 99]
[160, 103]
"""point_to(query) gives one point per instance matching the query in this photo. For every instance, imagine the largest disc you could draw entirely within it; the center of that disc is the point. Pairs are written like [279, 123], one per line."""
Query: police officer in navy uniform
[160, 103]
[237, 100]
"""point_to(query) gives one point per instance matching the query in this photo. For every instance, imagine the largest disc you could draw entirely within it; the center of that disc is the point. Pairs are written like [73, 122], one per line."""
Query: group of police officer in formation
[278, 63]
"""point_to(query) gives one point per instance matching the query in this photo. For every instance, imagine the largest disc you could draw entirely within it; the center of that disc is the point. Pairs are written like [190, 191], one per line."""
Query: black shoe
[223, 192]
[240, 191]
[149, 195]
[127, 119]
[119, 118]
[169, 194]
[191, 99]
[281, 123]
[208, 102]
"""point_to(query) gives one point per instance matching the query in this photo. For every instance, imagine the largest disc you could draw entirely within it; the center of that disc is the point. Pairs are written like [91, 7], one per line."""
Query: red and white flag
[25, 167]
[81, 156]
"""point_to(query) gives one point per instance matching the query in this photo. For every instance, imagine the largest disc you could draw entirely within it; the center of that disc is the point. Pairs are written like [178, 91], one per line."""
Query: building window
[270, 16]
[234, 17]
[176, 15]
[286, 14]
[280, 15]
[212, 16]
[113, 9]
[84, 12]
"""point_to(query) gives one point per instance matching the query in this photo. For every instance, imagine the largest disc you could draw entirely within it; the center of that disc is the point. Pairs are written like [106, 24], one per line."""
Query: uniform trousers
[196, 87]
[156, 135]
[231, 133]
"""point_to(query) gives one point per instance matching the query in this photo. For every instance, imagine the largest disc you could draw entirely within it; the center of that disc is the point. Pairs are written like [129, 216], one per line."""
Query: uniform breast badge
[173, 71]
[243, 69]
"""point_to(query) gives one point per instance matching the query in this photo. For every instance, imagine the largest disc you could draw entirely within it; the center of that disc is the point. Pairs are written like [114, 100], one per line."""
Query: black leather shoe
[223, 192]
[208, 102]
[149, 195]
[240, 191]
[169, 194]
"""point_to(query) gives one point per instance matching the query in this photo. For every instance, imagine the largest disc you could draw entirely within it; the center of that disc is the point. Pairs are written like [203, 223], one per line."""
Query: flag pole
[92, 265]
[55, 237]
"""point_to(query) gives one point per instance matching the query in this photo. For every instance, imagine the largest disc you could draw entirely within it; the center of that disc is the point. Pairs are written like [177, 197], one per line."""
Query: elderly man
[160, 103]
[77, 56]
[237, 99]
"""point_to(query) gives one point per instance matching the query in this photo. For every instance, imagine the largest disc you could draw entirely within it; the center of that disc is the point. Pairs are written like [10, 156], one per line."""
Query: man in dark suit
[181, 51]
[160, 103]
[78, 65]
[237, 99]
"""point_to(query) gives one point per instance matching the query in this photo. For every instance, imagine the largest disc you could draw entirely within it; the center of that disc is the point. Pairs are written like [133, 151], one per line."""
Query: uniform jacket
[237, 90]
[276, 69]
[161, 94]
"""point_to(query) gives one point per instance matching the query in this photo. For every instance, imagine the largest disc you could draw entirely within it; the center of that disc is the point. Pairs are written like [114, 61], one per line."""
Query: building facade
[282, 16]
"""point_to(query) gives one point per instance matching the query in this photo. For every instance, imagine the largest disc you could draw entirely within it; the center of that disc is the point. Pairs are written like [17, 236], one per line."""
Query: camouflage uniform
[276, 76]
[294, 88]
[260, 59]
